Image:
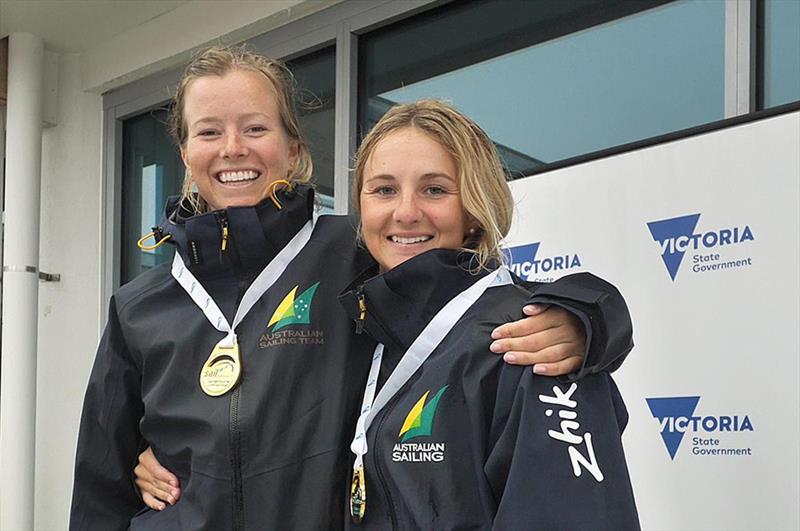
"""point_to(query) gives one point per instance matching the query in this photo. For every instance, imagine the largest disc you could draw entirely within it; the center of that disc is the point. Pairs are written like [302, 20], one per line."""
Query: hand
[551, 339]
[156, 483]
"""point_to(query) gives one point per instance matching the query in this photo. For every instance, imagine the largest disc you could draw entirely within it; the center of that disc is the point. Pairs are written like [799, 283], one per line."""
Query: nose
[233, 147]
[408, 209]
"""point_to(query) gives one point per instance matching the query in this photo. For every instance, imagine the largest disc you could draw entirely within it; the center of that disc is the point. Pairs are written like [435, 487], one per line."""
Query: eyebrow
[426, 177]
[244, 117]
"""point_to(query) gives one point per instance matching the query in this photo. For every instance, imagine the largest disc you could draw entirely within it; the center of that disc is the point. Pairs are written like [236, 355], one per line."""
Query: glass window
[553, 80]
[780, 52]
[316, 81]
[152, 169]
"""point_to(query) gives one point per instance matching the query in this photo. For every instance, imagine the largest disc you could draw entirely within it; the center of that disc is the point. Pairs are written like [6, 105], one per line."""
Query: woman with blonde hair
[235, 363]
[449, 438]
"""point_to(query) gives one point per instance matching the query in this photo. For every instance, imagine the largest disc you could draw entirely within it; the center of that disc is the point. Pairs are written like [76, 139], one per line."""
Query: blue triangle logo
[667, 229]
[672, 408]
[521, 254]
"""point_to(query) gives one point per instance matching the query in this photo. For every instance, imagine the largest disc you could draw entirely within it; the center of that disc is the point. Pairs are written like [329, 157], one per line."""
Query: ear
[294, 154]
[185, 157]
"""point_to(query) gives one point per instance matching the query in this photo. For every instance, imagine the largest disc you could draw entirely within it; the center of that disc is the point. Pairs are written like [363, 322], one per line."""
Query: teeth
[415, 239]
[237, 176]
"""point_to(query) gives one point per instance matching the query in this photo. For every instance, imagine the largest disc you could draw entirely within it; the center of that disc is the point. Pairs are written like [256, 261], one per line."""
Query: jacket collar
[255, 233]
[401, 302]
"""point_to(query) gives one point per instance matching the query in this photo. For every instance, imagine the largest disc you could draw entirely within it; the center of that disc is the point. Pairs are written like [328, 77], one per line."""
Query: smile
[410, 240]
[237, 176]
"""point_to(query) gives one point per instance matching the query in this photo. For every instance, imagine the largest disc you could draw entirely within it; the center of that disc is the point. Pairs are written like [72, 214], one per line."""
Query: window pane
[781, 52]
[593, 84]
[316, 80]
[151, 171]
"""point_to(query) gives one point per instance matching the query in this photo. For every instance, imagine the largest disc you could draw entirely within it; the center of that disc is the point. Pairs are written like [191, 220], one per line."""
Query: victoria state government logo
[419, 423]
[293, 310]
[710, 250]
[525, 262]
[711, 435]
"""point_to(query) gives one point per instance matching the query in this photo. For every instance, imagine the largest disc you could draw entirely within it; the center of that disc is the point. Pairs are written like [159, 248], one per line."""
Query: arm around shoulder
[103, 495]
[603, 312]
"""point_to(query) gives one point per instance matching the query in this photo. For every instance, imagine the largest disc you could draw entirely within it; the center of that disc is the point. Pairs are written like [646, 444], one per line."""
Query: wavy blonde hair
[481, 178]
[221, 60]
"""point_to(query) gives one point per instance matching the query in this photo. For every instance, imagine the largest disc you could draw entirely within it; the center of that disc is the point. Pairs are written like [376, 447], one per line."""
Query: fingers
[551, 352]
[152, 502]
[535, 322]
[155, 480]
[155, 489]
[559, 368]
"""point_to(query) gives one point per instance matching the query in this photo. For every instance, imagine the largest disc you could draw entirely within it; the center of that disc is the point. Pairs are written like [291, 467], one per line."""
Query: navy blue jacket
[494, 446]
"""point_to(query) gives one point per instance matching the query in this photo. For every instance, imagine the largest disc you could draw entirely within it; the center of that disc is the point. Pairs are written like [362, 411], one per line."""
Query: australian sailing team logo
[293, 310]
[419, 423]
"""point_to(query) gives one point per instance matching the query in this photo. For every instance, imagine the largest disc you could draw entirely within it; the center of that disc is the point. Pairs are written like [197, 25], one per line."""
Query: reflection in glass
[151, 171]
[601, 85]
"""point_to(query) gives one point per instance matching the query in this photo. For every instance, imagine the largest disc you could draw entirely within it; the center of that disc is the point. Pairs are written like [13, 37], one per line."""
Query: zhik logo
[676, 416]
[523, 262]
[675, 236]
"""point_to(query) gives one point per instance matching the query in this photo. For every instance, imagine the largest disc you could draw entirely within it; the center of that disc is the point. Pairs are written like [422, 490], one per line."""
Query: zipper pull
[362, 312]
[222, 220]
[224, 236]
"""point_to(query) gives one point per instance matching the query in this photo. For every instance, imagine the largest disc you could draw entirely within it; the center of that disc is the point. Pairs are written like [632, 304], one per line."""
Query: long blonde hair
[481, 178]
[221, 60]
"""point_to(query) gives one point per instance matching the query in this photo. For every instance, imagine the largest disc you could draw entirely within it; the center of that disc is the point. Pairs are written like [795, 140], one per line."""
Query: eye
[435, 190]
[257, 129]
[208, 133]
[383, 190]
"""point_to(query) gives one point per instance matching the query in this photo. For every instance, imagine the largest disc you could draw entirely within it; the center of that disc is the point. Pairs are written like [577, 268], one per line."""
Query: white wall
[72, 183]
[68, 310]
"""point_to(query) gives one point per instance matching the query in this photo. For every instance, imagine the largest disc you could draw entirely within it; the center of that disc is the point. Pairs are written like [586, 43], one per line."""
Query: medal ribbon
[273, 270]
[415, 356]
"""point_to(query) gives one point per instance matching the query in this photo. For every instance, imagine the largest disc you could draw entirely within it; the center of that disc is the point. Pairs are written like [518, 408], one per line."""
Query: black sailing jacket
[472, 443]
[274, 453]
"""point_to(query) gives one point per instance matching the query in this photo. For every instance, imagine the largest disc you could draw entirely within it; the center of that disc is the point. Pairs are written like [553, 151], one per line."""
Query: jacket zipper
[362, 317]
[378, 469]
[236, 460]
[234, 430]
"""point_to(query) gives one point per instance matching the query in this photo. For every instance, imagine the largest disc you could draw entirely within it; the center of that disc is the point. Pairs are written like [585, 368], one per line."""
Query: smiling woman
[488, 427]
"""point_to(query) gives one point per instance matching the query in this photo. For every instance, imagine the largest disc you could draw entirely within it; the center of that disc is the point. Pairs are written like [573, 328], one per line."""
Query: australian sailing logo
[293, 310]
[419, 423]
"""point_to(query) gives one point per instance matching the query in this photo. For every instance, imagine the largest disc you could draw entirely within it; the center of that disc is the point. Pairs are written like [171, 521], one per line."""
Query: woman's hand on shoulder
[550, 338]
[157, 485]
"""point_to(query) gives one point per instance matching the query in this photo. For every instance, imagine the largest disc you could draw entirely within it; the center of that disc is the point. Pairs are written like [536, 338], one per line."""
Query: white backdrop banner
[702, 236]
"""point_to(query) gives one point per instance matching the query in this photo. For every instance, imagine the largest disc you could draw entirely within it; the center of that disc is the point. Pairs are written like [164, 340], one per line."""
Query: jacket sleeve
[103, 495]
[563, 467]
[603, 312]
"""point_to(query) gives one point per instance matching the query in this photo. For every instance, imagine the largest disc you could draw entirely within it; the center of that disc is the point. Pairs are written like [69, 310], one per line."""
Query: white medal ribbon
[415, 356]
[260, 285]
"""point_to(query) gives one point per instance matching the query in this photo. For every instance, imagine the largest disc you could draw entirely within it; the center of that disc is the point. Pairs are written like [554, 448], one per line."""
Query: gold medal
[358, 496]
[221, 371]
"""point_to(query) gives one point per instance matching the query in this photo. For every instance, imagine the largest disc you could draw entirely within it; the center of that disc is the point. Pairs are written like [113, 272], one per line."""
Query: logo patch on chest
[293, 310]
[419, 423]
